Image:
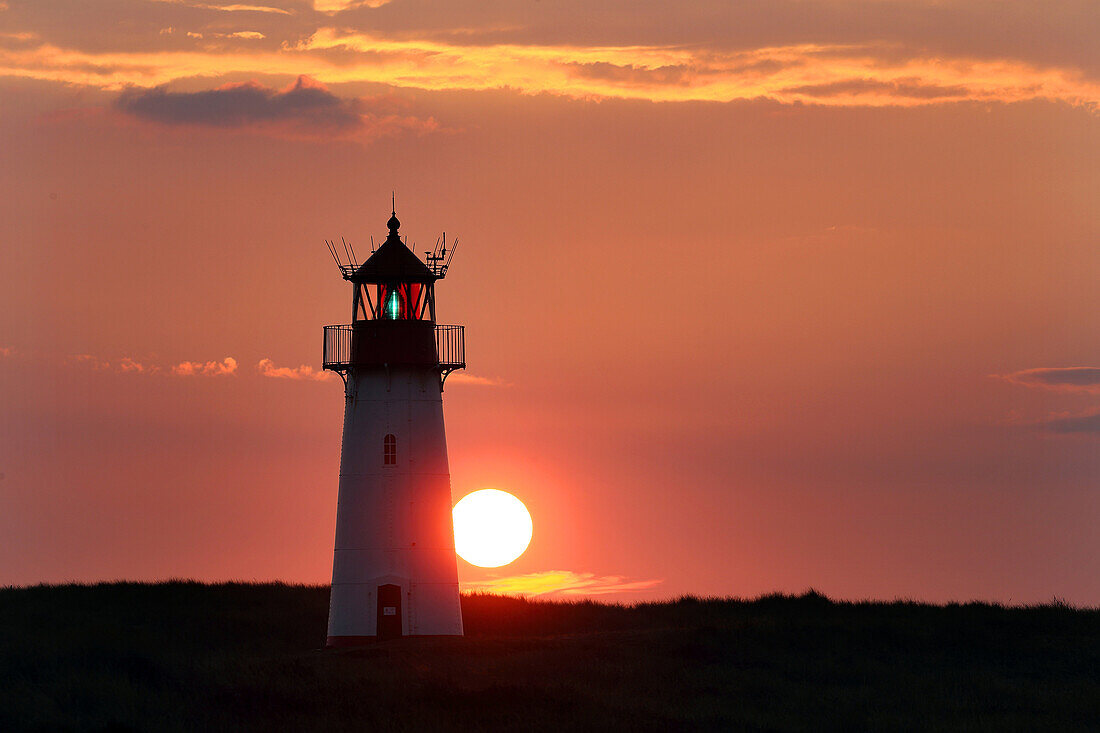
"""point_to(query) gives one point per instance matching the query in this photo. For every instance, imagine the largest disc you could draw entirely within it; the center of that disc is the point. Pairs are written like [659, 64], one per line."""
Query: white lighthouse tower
[394, 571]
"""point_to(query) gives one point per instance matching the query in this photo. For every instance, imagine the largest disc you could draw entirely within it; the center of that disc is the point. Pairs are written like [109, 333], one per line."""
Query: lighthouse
[394, 571]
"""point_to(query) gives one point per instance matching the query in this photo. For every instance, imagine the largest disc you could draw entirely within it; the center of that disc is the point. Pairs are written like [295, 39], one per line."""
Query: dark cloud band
[1087, 423]
[241, 105]
[306, 109]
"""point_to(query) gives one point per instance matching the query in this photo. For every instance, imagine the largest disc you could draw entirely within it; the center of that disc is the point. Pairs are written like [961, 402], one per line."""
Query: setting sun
[492, 528]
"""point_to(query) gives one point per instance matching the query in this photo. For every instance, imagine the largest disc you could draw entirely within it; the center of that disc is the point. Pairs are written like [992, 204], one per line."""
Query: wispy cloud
[129, 365]
[561, 582]
[90, 361]
[228, 8]
[1086, 422]
[903, 88]
[1060, 379]
[126, 364]
[304, 109]
[331, 7]
[267, 368]
[206, 369]
[227, 366]
[24, 37]
[252, 35]
[464, 378]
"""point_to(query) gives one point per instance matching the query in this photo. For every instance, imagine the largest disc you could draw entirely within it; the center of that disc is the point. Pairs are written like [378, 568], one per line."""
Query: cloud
[464, 378]
[129, 365]
[840, 52]
[245, 8]
[229, 8]
[563, 582]
[331, 7]
[677, 74]
[206, 369]
[911, 88]
[237, 105]
[1061, 379]
[125, 365]
[902, 53]
[1088, 422]
[267, 368]
[18, 41]
[249, 35]
[304, 109]
[692, 72]
[89, 360]
[874, 60]
[828, 74]
[1042, 33]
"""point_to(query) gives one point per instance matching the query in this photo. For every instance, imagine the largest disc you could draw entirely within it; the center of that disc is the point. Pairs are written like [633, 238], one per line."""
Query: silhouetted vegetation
[188, 656]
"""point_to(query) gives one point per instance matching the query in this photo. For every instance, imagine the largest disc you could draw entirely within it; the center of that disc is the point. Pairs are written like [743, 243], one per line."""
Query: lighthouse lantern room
[394, 570]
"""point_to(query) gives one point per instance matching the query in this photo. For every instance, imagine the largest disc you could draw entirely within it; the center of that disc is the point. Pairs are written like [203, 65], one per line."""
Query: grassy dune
[189, 656]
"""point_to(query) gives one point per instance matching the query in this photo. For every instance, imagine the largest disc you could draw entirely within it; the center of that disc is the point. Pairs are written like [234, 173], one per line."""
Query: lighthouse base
[351, 642]
[392, 607]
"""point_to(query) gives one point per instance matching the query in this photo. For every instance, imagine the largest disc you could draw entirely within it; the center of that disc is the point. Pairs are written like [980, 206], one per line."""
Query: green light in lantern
[393, 307]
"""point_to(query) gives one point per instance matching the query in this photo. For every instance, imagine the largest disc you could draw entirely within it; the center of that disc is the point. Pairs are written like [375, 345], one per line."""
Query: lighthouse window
[389, 451]
[393, 305]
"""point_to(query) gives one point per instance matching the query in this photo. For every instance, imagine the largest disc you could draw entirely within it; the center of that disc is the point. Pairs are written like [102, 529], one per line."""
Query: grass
[189, 656]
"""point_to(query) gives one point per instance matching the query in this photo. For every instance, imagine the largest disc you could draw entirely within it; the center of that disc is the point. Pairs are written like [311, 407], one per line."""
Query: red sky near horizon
[761, 298]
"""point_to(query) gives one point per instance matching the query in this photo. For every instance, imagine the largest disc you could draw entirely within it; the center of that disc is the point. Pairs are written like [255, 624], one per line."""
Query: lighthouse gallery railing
[450, 347]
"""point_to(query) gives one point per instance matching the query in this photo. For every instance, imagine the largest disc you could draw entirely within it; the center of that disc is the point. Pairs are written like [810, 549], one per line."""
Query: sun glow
[492, 528]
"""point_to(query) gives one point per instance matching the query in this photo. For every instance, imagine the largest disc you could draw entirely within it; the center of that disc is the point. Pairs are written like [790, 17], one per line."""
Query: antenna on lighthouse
[354, 258]
[439, 259]
[347, 269]
[454, 248]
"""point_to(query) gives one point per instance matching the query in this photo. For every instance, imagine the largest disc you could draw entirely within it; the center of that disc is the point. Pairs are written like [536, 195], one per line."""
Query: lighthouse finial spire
[394, 223]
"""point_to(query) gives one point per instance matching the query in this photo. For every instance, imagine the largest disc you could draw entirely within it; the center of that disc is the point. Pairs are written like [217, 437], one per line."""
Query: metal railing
[337, 349]
[450, 347]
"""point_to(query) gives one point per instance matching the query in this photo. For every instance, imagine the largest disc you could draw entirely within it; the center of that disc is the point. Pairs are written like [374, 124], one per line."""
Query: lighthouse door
[389, 611]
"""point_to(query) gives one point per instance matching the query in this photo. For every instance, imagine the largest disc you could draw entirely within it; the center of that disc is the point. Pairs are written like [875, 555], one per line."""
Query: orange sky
[763, 298]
